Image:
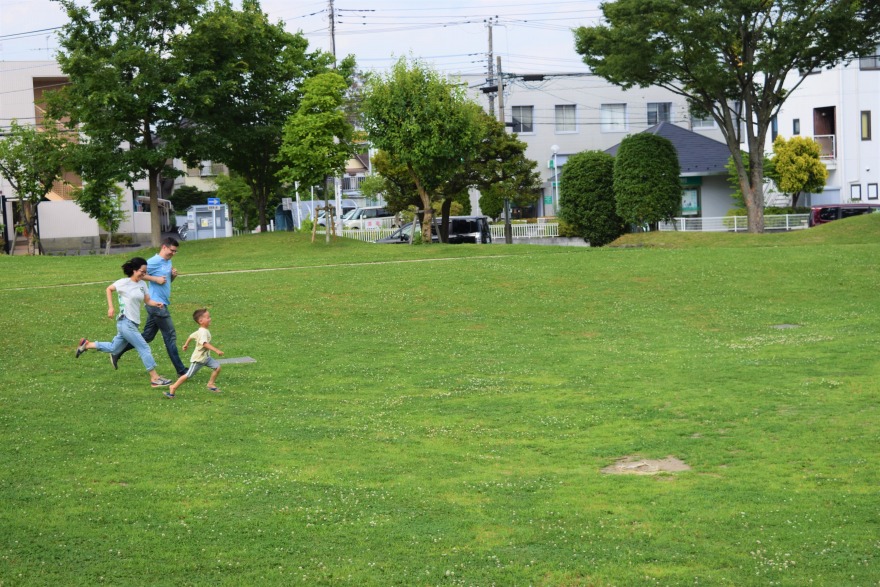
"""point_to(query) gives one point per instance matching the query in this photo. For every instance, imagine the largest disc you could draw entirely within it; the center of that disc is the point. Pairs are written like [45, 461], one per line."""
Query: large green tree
[647, 188]
[117, 54]
[587, 202]
[729, 58]
[423, 122]
[32, 160]
[238, 106]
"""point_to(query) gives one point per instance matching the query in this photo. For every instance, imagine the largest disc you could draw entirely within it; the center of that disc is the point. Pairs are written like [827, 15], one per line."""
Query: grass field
[441, 415]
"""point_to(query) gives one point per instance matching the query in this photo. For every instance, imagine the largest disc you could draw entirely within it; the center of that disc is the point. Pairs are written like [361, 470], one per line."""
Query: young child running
[201, 356]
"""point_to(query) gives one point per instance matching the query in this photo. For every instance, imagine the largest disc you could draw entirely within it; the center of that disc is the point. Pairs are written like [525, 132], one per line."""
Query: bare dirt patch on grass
[634, 465]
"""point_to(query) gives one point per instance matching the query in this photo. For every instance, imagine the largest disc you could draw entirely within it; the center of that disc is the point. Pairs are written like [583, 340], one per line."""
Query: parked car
[462, 229]
[348, 207]
[369, 217]
[401, 236]
[828, 212]
[469, 229]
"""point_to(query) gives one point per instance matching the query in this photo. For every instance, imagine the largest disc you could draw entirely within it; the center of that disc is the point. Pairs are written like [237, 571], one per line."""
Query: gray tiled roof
[697, 154]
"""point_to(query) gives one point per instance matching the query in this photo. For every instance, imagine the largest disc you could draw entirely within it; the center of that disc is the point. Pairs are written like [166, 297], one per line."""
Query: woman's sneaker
[82, 347]
[161, 382]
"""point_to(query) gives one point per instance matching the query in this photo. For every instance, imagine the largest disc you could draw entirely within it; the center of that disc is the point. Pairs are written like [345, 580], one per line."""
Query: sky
[450, 35]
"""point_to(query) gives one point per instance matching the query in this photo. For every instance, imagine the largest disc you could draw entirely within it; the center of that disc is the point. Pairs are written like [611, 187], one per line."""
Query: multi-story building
[558, 115]
[836, 108]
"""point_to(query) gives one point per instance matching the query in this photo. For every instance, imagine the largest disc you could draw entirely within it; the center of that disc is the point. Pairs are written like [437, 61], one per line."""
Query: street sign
[213, 201]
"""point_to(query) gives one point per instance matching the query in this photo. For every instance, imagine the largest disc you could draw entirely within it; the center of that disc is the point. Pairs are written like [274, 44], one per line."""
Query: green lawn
[440, 416]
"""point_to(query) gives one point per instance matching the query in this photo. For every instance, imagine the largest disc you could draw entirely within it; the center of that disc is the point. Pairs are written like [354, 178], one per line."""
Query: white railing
[736, 223]
[367, 235]
[526, 230]
[827, 146]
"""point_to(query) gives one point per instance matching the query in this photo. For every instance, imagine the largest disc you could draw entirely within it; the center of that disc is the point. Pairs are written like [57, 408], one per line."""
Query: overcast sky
[452, 35]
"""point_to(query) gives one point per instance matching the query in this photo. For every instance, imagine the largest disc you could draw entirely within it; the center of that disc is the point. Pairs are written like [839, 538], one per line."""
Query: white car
[370, 217]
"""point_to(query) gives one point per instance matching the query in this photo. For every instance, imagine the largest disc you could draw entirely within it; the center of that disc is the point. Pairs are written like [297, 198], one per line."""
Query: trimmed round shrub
[587, 201]
[646, 179]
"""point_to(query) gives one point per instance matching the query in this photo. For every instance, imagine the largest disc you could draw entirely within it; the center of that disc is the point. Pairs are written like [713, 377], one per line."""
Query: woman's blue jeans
[128, 332]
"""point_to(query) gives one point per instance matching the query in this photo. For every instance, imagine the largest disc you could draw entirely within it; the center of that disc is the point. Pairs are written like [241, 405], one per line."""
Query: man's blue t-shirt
[159, 267]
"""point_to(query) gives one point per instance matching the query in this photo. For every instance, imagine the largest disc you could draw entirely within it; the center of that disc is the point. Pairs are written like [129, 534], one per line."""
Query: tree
[646, 179]
[235, 192]
[503, 171]
[111, 211]
[729, 58]
[188, 195]
[733, 179]
[393, 181]
[798, 166]
[116, 54]
[32, 160]
[239, 106]
[318, 138]
[587, 201]
[421, 120]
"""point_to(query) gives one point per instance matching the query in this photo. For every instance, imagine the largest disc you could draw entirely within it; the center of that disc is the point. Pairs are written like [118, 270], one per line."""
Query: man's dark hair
[170, 241]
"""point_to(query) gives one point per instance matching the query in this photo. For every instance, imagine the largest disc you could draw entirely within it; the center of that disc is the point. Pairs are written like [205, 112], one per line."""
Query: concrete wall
[64, 226]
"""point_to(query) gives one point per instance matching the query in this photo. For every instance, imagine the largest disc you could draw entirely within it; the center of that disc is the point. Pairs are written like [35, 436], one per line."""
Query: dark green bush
[587, 205]
[646, 179]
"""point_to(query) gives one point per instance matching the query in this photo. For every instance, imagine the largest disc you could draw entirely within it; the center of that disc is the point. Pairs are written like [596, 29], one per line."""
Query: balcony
[828, 146]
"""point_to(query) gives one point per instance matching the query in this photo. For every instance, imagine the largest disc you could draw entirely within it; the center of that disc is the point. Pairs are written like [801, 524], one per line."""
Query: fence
[548, 229]
[735, 223]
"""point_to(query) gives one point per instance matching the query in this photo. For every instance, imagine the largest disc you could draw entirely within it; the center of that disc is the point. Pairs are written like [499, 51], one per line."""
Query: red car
[828, 212]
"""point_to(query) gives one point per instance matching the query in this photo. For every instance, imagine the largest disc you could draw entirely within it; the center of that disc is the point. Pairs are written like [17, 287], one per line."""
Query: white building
[580, 112]
[835, 107]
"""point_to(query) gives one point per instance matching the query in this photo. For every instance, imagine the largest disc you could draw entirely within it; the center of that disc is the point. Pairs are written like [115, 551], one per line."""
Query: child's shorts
[210, 363]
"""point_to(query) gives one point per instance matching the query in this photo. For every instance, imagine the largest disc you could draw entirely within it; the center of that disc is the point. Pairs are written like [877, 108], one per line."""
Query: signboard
[690, 202]
[213, 201]
[548, 200]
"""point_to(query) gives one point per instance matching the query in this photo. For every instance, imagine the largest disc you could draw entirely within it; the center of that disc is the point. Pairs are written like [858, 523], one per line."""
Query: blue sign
[213, 201]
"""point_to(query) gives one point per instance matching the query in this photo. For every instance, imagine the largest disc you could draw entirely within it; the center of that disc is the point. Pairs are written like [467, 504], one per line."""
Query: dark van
[462, 229]
[828, 212]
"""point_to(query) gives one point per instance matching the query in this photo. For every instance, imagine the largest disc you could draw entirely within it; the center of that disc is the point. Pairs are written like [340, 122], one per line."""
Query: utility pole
[508, 229]
[333, 32]
[491, 71]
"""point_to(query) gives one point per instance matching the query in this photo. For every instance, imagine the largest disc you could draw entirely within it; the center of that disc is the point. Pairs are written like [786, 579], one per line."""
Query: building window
[523, 117]
[796, 126]
[702, 121]
[871, 61]
[566, 120]
[613, 117]
[658, 112]
[866, 125]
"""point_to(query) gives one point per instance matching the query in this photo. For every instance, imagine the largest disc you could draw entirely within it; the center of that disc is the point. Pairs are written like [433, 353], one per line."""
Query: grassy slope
[445, 422]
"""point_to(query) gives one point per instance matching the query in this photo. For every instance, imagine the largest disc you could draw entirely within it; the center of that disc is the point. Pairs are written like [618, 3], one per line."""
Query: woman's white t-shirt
[131, 298]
